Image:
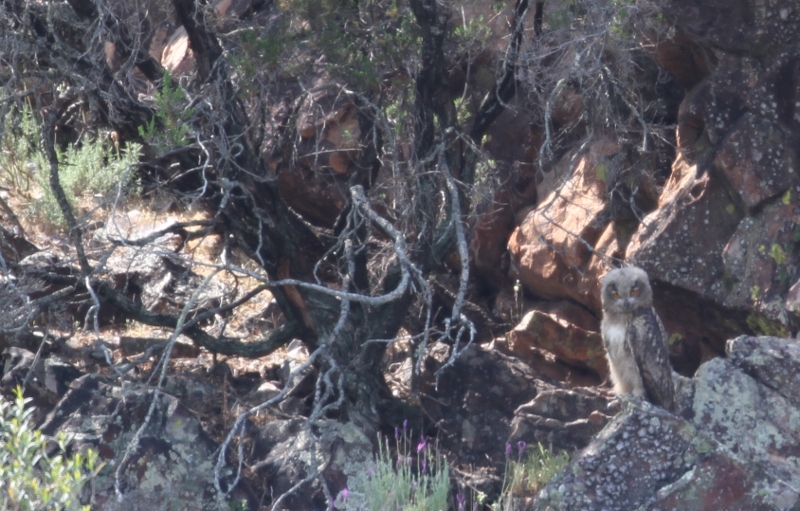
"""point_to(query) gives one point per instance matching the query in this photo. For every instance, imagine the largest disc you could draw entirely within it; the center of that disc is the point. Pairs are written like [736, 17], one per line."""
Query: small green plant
[31, 479]
[93, 167]
[169, 127]
[473, 33]
[528, 474]
[412, 481]
[17, 150]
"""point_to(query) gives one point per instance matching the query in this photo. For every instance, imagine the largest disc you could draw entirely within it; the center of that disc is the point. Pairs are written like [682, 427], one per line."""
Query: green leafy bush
[95, 166]
[17, 150]
[31, 479]
[169, 127]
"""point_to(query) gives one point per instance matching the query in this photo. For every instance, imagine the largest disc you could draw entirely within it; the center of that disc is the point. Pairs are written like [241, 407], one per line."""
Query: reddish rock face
[683, 58]
[315, 183]
[572, 344]
[551, 251]
[487, 245]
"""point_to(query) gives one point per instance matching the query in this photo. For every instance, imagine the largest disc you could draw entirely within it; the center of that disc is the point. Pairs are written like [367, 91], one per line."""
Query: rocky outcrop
[567, 341]
[330, 143]
[487, 399]
[734, 444]
[725, 224]
[171, 467]
[552, 250]
[282, 453]
[561, 419]
[159, 282]
[45, 379]
[721, 241]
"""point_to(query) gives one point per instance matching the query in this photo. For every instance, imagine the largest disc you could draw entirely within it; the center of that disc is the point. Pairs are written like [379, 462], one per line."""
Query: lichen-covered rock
[649, 459]
[561, 419]
[760, 29]
[773, 361]
[643, 449]
[757, 159]
[758, 261]
[282, 453]
[736, 449]
[676, 244]
[747, 415]
[171, 468]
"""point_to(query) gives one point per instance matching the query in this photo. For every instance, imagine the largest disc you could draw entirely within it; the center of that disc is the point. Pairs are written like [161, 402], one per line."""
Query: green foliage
[258, 50]
[602, 172]
[760, 325]
[169, 128]
[30, 479]
[359, 43]
[526, 477]
[17, 151]
[472, 34]
[240, 505]
[413, 481]
[777, 253]
[484, 171]
[93, 167]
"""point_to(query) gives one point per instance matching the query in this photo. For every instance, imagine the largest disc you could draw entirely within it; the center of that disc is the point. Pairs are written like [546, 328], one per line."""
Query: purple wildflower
[396, 433]
[460, 499]
[405, 426]
[424, 466]
[422, 443]
[508, 451]
[521, 446]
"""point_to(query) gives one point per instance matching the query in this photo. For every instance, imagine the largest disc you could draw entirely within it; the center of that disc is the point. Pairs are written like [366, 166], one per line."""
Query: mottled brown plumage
[634, 338]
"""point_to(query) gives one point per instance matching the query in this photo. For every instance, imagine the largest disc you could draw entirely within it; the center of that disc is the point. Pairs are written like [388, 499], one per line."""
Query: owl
[634, 338]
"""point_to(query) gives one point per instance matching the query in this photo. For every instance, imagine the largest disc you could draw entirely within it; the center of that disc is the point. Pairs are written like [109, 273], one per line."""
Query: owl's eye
[634, 291]
[615, 294]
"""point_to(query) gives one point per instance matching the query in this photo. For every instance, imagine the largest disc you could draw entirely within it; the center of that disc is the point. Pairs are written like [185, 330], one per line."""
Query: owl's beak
[628, 304]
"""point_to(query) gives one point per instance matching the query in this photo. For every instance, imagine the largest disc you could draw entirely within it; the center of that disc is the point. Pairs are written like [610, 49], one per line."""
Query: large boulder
[733, 444]
[725, 226]
[647, 458]
[567, 341]
[154, 277]
[552, 251]
[487, 399]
